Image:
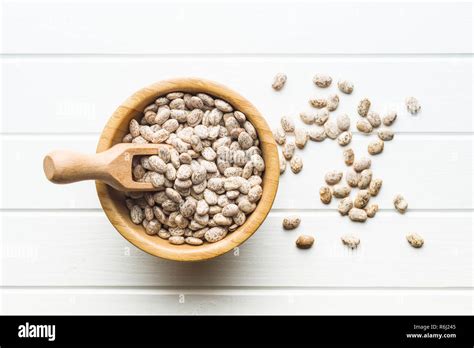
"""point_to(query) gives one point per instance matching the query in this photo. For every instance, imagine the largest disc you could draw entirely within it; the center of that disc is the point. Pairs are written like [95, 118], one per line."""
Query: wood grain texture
[113, 202]
[112, 167]
[83, 249]
[236, 27]
[442, 84]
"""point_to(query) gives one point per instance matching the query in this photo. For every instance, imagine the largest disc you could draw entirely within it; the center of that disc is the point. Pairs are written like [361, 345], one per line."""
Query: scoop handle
[64, 166]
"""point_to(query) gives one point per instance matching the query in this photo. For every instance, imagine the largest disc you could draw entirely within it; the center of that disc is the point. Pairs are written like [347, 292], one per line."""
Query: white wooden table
[66, 65]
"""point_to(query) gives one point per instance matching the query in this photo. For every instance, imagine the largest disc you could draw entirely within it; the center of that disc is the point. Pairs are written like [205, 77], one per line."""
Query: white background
[65, 67]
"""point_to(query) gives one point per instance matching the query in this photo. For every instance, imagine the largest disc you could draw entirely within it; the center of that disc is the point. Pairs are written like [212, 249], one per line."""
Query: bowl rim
[113, 204]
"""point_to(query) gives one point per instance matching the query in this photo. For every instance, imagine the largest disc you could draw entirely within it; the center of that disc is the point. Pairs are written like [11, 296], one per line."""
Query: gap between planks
[226, 289]
[274, 211]
[252, 55]
[96, 135]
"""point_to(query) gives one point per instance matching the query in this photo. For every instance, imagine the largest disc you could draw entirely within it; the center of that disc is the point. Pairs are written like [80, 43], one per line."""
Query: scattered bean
[371, 210]
[363, 107]
[307, 117]
[279, 81]
[365, 179]
[413, 105]
[301, 138]
[390, 118]
[322, 80]
[345, 205]
[282, 163]
[296, 164]
[287, 124]
[288, 150]
[344, 138]
[400, 204]
[321, 116]
[317, 134]
[361, 164]
[385, 134]
[331, 129]
[341, 191]
[351, 241]
[415, 240]
[374, 119]
[333, 177]
[375, 147]
[291, 222]
[352, 178]
[318, 103]
[364, 126]
[348, 157]
[358, 215]
[361, 199]
[343, 122]
[304, 242]
[374, 187]
[332, 102]
[345, 86]
[325, 194]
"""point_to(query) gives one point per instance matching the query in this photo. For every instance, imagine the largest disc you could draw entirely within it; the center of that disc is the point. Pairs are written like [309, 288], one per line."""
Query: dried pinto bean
[304, 242]
[363, 107]
[358, 215]
[415, 240]
[371, 210]
[390, 118]
[400, 204]
[413, 105]
[361, 199]
[333, 177]
[287, 124]
[322, 80]
[385, 134]
[279, 81]
[375, 186]
[374, 119]
[375, 147]
[341, 191]
[351, 241]
[344, 138]
[296, 164]
[301, 138]
[348, 157]
[345, 205]
[325, 194]
[291, 222]
[345, 86]
[201, 176]
[318, 103]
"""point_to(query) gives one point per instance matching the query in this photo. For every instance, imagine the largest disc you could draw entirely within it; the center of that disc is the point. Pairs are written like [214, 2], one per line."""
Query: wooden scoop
[113, 167]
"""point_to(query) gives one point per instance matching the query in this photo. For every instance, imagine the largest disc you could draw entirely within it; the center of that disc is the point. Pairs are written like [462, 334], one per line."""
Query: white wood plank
[77, 95]
[83, 249]
[235, 27]
[224, 301]
[28, 160]
[431, 171]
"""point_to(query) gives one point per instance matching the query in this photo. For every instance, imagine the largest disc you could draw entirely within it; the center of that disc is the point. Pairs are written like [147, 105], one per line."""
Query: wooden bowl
[113, 202]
